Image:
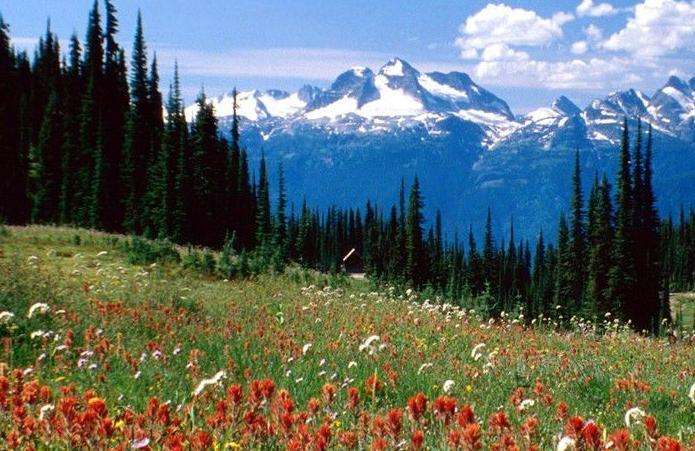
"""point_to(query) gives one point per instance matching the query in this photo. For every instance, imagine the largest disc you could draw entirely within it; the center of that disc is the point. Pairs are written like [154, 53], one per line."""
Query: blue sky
[528, 52]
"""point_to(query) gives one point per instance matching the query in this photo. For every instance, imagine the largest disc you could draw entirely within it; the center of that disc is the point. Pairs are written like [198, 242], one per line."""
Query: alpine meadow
[372, 259]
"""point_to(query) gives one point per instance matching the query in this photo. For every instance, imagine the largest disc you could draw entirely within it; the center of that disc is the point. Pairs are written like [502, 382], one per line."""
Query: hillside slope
[135, 355]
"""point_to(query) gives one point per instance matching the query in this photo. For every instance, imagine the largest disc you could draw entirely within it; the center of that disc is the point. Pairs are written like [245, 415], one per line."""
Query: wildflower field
[98, 352]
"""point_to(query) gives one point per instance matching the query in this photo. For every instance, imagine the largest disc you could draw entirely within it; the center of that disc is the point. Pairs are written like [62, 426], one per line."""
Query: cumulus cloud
[579, 47]
[589, 8]
[657, 28]
[590, 74]
[499, 24]
[501, 52]
[593, 33]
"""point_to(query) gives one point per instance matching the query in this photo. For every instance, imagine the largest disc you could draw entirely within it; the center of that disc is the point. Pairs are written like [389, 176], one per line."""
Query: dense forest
[88, 140]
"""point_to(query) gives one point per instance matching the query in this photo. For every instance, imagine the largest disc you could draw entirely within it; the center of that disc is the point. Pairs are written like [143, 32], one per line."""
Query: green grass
[157, 327]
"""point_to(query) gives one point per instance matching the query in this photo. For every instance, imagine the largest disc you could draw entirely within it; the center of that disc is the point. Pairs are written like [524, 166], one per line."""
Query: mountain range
[357, 138]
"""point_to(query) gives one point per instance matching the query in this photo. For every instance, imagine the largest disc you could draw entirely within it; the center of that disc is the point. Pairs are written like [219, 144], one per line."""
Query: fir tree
[622, 274]
[415, 252]
[45, 165]
[137, 136]
[577, 272]
[600, 258]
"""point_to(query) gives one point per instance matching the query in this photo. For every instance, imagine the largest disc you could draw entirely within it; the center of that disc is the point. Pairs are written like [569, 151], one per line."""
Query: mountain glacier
[357, 138]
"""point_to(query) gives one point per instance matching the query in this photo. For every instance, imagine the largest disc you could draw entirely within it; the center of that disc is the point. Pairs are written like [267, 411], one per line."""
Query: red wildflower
[499, 421]
[621, 439]
[348, 439]
[444, 407]
[201, 440]
[97, 405]
[668, 444]
[234, 394]
[394, 422]
[530, 426]
[562, 410]
[328, 391]
[417, 404]
[465, 415]
[353, 398]
[417, 439]
[471, 436]
[650, 425]
[574, 426]
[591, 435]
[372, 384]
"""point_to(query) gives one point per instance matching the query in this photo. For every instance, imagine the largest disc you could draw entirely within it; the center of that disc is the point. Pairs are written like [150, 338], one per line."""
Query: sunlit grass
[157, 330]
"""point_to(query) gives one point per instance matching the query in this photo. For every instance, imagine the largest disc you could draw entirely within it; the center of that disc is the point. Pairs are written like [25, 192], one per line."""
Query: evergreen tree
[416, 258]
[90, 180]
[115, 99]
[13, 196]
[577, 272]
[263, 214]
[137, 136]
[600, 263]
[45, 166]
[563, 277]
[622, 273]
[70, 150]
[280, 237]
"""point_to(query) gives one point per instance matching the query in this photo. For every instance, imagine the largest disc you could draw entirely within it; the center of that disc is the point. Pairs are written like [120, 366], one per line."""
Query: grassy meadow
[100, 349]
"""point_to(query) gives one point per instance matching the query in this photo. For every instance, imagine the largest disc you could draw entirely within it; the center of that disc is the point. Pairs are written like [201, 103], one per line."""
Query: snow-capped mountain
[356, 138]
[399, 96]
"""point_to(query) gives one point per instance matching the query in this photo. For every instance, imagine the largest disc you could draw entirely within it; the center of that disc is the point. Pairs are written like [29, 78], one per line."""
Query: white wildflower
[45, 410]
[634, 415]
[6, 317]
[212, 381]
[176, 351]
[298, 380]
[566, 444]
[423, 367]
[526, 403]
[351, 364]
[448, 385]
[691, 393]
[38, 308]
[368, 344]
[476, 353]
[36, 334]
[306, 348]
[102, 253]
[139, 444]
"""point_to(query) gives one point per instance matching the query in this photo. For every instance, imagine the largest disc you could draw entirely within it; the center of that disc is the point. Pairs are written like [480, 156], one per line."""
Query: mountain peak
[397, 67]
[677, 83]
[566, 106]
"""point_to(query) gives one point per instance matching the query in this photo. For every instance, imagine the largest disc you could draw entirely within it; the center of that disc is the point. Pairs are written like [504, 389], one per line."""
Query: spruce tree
[263, 214]
[600, 258]
[45, 168]
[563, 277]
[577, 271]
[69, 150]
[622, 273]
[416, 259]
[115, 99]
[137, 136]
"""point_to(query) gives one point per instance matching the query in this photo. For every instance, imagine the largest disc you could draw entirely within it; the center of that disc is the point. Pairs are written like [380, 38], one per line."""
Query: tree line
[88, 140]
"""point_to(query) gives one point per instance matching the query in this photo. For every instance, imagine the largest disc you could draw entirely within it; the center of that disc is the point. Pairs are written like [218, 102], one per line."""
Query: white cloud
[590, 74]
[588, 8]
[501, 52]
[657, 28]
[593, 32]
[499, 24]
[579, 47]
